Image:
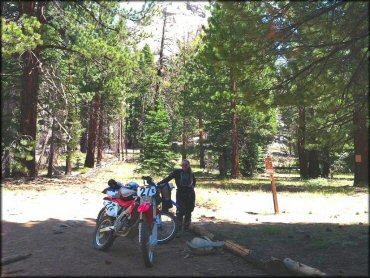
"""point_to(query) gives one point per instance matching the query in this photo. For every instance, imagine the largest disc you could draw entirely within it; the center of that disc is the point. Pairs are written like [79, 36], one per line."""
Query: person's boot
[187, 222]
[180, 220]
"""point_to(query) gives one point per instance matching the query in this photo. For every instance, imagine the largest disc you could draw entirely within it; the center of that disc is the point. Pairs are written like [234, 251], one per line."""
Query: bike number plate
[146, 191]
[111, 208]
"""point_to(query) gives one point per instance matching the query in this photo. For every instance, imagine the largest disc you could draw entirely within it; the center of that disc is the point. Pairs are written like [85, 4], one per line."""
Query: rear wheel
[167, 227]
[145, 243]
[103, 239]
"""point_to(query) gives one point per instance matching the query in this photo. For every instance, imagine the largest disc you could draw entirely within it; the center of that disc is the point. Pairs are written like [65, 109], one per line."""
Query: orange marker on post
[270, 170]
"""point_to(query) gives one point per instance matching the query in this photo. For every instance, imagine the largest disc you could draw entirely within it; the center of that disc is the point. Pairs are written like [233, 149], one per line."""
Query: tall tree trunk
[361, 141]
[100, 140]
[325, 161]
[183, 136]
[119, 147]
[29, 95]
[313, 164]
[123, 139]
[126, 140]
[48, 135]
[93, 126]
[52, 150]
[68, 170]
[301, 139]
[108, 133]
[83, 142]
[222, 163]
[30, 83]
[7, 164]
[360, 95]
[202, 163]
[235, 160]
[161, 62]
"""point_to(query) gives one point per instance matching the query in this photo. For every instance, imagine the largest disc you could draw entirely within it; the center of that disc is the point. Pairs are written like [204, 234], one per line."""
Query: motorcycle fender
[148, 214]
[143, 208]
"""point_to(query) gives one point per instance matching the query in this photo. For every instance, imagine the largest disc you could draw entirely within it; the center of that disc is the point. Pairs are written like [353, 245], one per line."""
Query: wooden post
[270, 170]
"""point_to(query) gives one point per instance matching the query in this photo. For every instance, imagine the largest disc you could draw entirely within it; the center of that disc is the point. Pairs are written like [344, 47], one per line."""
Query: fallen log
[229, 245]
[272, 265]
[13, 259]
[236, 248]
[198, 229]
[302, 269]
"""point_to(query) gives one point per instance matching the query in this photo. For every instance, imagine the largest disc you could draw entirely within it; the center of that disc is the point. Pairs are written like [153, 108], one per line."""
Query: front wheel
[145, 243]
[103, 239]
[167, 227]
[100, 215]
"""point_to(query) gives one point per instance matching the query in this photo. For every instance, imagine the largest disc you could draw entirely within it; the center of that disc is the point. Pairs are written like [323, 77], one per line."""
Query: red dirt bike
[133, 213]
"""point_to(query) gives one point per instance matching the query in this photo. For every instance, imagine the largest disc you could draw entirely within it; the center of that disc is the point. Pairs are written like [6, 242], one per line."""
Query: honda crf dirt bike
[131, 213]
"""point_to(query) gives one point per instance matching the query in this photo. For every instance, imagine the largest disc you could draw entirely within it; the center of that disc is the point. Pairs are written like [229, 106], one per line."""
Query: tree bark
[30, 83]
[68, 170]
[360, 116]
[313, 164]
[325, 162]
[361, 142]
[93, 126]
[183, 136]
[29, 95]
[83, 142]
[234, 115]
[202, 163]
[51, 151]
[48, 135]
[301, 136]
[100, 140]
[125, 140]
[6, 164]
[119, 139]
[222, 163]
[161, 61]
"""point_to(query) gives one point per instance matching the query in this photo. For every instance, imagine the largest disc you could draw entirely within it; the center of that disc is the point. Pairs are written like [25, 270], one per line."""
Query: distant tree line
[74, 78]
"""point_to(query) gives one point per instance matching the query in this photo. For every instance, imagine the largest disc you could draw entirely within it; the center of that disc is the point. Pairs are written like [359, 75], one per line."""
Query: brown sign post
[270, 170]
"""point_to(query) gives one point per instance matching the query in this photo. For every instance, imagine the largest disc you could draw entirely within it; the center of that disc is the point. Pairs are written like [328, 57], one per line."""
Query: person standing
[185, 194]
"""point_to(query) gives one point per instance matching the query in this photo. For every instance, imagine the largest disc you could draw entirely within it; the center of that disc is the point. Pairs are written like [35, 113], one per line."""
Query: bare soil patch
[54, 221]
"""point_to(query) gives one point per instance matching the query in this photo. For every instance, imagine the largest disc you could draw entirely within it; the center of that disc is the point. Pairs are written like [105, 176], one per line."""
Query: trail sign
[268, 165]
[270, 170]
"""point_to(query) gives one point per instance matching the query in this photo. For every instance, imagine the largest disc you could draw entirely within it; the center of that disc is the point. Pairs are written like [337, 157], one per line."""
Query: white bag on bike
[111, 208]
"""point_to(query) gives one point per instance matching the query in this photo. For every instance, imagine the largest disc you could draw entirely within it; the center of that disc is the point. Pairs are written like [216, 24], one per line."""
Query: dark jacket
[177, 176]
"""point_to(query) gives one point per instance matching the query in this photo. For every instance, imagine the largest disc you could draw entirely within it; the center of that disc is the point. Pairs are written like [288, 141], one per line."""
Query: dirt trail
[54, 221]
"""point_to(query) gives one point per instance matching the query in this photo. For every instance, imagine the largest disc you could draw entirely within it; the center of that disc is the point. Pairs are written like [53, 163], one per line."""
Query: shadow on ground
[64, 248]
[336, 249]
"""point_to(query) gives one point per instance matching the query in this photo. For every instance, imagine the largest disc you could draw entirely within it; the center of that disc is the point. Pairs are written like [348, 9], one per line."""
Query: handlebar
[148, 179]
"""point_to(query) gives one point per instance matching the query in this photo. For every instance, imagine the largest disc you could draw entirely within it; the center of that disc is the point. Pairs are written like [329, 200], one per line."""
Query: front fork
[151, 218]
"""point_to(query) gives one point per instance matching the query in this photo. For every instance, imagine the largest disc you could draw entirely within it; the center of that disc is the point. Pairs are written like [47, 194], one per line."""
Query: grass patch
[206, 202]
[84, 170]
[284, 183]
[272, 230]
[320, 244]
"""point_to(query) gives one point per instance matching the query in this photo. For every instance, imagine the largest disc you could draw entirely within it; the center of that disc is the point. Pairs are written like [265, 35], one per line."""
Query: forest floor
[54, 219]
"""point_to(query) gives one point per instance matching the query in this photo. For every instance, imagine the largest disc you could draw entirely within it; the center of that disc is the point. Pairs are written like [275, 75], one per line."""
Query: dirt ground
[54, 221]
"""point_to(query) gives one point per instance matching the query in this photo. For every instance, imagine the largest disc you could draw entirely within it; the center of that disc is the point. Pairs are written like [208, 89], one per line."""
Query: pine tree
[155, 155]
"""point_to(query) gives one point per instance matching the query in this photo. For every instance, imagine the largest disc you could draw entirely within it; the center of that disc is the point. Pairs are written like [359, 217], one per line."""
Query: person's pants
[185, 197]
[184, 219]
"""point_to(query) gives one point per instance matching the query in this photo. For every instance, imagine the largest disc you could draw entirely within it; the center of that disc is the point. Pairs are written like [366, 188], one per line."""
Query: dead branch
[15, 258]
